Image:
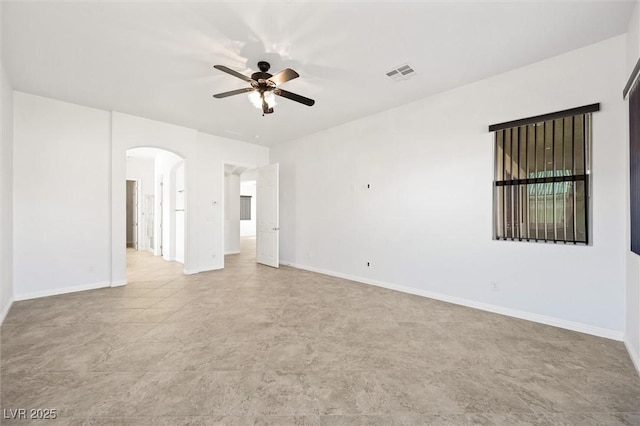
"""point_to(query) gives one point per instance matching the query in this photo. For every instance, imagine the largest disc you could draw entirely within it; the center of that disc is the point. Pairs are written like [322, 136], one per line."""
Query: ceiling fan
[264, 86]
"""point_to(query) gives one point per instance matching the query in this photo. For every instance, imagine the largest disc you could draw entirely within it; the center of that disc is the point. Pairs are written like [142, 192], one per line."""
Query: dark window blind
[542, 177]
[245, 207]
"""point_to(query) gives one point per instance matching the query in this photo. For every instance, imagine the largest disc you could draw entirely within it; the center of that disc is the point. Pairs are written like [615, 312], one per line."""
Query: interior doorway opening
[156, 194]
[240, 202]
[132, 214]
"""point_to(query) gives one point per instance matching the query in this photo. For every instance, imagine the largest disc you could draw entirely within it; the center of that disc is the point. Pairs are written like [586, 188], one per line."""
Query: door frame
[276, 229]
[130, 132]
[173, 210]
[249, 167]
[159, 204]
[138, 211]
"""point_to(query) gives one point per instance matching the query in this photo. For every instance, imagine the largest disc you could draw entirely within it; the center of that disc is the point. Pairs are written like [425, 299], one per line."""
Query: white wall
[204, 157]
[70, 174]
[6, 189]
[248, 227]
[142, 170]
[231, 213]
[165, 224]
[632, 332]
[179, 194]
[426, 223]
[633, 38]
[211, 173]
[130, 132]
[61, 196]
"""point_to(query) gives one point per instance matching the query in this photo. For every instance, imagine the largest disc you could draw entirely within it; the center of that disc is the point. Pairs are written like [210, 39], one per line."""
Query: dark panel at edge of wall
[634, 156]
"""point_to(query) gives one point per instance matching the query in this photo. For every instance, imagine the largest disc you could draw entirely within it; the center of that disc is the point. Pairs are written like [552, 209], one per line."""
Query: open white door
[267, 216]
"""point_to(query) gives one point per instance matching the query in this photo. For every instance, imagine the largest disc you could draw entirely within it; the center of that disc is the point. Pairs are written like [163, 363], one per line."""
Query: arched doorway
[155, 203]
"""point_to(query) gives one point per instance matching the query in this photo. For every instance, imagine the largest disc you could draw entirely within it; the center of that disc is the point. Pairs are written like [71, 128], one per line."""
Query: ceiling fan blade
[284, 76]
[294, 97]
[234, 92]
[233, 73]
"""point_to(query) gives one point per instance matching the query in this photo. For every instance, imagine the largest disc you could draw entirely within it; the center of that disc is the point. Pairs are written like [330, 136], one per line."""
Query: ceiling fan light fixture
[256, 99]
[264, 87]
[270, 99]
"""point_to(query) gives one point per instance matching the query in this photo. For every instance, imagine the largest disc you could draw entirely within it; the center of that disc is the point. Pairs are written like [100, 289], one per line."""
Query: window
[245, 207]
[541, 185]
[632, 91]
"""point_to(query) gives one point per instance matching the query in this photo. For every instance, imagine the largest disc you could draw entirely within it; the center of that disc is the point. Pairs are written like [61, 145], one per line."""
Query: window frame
[498, 218]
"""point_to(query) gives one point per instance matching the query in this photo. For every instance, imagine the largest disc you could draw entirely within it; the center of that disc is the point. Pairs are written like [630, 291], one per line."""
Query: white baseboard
[205, 269]
[633, 355]
[118, 283]
[232, 252]
[5, 311]
[64, 290]
[542, 319]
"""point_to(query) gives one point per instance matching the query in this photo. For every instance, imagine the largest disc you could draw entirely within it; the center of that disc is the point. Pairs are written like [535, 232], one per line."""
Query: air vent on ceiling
[403, 72]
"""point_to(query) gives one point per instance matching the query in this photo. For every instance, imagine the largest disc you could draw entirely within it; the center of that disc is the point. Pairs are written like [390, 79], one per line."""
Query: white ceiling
[155, 59]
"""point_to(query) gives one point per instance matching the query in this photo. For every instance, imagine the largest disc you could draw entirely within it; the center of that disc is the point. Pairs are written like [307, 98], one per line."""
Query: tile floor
[255, 345]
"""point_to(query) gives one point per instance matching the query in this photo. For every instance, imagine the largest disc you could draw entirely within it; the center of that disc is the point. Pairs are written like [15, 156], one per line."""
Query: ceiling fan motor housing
[264, 66]
[257, 76]
[262, 74]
